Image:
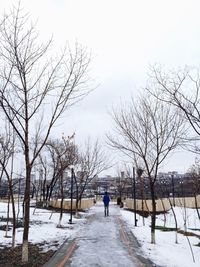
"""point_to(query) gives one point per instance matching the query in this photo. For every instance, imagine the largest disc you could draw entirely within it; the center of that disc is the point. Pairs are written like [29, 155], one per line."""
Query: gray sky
[125, 37]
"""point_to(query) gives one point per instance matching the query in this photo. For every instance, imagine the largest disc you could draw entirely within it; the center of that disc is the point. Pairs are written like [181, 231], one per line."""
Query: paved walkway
[103, 242]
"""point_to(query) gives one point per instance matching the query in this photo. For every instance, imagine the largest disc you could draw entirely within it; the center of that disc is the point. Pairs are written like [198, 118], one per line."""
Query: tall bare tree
[149, 130]
[36, 89]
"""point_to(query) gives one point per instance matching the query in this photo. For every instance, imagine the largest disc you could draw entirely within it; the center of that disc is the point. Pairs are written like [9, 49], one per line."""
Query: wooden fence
[86, 203]
[162, 204]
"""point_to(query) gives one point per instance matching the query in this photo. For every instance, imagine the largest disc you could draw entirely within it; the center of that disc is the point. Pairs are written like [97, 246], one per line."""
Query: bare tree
[55, 159]
[7, 153]
[123, 183]
[195, 174]
[62, 152]
[36, 89]
[150, 130]
[181, 89]
[47, 164]
[92, 160]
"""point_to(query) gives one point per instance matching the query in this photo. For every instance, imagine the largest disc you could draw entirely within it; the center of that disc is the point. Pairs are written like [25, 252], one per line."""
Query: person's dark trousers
[106, 210]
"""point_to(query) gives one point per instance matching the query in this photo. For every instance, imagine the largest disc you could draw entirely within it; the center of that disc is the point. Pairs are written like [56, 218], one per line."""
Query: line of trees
[36, 89]
[164, 118]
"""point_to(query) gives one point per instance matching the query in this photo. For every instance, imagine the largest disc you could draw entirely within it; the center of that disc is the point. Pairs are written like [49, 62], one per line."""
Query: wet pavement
[102, 242]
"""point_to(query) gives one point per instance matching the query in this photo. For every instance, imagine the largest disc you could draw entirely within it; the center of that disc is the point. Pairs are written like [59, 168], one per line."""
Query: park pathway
[102, 242]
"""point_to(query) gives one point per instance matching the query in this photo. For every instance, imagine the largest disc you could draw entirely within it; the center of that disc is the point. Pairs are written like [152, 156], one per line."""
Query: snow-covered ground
[164, 253]
[43, 230]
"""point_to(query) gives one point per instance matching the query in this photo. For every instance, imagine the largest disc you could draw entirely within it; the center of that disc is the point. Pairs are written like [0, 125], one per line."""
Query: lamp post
[173, 190]
[139, 176]
[134, 197]
[71, 206]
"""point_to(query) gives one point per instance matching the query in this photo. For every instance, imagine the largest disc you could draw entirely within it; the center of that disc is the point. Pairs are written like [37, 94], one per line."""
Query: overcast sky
[125, 37]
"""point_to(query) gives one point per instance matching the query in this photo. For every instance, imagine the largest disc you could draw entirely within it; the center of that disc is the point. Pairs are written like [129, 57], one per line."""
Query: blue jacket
[106, 200]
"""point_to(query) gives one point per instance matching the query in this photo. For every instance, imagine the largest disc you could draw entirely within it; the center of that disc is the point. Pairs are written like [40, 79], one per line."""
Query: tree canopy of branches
[180, 88]
[36, 89]
[148, 130]
[194, 172]
[92, 160]
[60, 154]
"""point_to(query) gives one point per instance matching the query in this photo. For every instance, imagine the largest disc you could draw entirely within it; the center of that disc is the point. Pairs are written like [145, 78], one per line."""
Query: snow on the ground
[166, 252]
[42, 228]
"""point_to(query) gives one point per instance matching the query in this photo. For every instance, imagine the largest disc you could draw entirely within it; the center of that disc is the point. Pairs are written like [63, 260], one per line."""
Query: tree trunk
[196, 206]
[175, 220]
[18, 209]
[153, 215]
[56, 198]
[142, 196]
[14, 220]
[77, 197]
[26, 213]
[11, 197]
[165, 219]
[8, 215]
[80, 202]
[62, 199]
[25, 251]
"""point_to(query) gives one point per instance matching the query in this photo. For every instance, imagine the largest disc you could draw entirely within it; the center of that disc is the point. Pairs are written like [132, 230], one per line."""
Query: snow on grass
[42, 229]
[166, 252]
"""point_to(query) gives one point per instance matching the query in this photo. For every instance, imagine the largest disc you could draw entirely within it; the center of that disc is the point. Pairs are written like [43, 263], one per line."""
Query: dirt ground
[11, 257]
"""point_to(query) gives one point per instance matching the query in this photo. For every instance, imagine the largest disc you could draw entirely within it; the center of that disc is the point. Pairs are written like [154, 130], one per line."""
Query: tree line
[162, 119]
[36, 89]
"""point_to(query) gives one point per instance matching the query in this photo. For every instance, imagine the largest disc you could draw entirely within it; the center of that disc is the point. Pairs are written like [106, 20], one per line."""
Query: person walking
[106, 200]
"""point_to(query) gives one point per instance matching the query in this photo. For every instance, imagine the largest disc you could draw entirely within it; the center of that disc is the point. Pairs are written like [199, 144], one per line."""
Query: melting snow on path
[99, 242]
